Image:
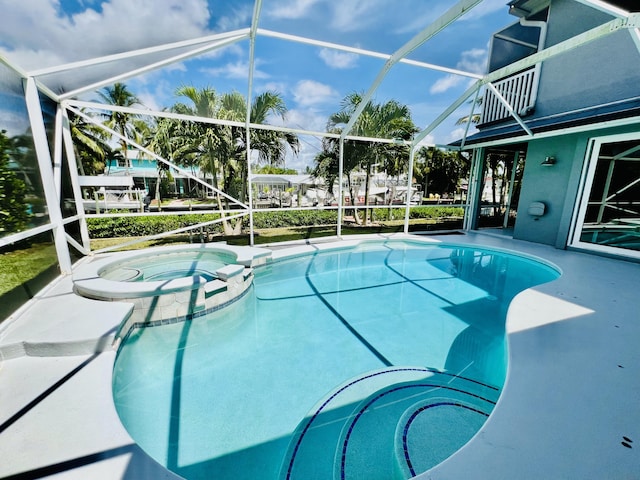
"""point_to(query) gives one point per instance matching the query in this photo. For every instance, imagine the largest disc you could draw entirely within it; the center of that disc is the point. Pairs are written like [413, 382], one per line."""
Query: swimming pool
[374, 361]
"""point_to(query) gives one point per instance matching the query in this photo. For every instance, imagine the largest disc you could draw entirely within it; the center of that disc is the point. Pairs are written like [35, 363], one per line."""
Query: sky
[312, 79]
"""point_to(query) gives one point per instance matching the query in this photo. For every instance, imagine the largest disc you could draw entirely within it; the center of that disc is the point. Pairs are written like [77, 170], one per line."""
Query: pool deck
[570, 408]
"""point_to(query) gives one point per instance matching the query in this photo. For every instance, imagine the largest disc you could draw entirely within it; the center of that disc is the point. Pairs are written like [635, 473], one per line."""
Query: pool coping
[88, 281]
[568, 407]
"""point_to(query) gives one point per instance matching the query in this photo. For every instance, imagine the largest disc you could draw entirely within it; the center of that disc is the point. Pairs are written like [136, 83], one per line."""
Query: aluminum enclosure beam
[366, 53]
[36, 120]
[436, 26]
[156, 157]
[632, 22]
[153, 66]
[605, 7]
[247, 131]
[137, 53]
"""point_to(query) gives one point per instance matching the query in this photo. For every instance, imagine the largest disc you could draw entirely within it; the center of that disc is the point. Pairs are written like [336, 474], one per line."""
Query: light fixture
[549, 162]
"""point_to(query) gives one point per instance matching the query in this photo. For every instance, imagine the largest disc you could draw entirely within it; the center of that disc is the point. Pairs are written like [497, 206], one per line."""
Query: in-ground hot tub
[169, 266]
[170, 284]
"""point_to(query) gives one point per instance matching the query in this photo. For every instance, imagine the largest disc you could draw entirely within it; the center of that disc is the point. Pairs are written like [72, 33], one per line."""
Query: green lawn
[19, 266]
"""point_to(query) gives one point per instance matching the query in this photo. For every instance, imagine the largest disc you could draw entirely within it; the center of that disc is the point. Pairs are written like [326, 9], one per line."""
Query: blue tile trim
[359, 379]
[405, 431]
[184, 318]
[376, 398]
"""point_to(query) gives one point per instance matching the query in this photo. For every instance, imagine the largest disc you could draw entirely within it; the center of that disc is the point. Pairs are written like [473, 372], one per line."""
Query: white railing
[518, 90]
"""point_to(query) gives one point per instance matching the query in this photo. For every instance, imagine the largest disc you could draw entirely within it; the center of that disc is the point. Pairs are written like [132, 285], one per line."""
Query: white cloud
[309, 148]
[346, 15]
[38, 34]
[306, 119]
[337, 59]
[278, 87]
[239, 18]
[237, 70]
[291, 9]
[155, 96]
[14, 122]
[472, 61]
[309, 119]
[446, 83]
[456, 134]
[427, 141]
[353, 15]
[310, 92]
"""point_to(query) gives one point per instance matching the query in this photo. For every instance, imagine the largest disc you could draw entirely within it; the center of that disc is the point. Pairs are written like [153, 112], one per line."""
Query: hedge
[113, 227]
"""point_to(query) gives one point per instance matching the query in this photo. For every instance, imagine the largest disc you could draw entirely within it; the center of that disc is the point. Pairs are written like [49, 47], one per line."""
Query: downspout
[536, 77]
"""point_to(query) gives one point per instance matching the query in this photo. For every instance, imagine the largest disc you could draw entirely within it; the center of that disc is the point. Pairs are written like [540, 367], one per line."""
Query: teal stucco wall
[557, 186]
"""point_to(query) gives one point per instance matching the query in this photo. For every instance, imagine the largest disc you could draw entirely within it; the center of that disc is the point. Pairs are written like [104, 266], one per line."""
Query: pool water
[378, 361]
[168, 266]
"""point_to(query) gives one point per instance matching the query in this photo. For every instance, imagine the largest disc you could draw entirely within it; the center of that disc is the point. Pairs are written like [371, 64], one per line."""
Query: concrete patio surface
[570, 408]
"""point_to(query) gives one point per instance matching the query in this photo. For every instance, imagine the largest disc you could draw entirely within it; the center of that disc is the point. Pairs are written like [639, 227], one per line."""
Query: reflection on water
[246, 377]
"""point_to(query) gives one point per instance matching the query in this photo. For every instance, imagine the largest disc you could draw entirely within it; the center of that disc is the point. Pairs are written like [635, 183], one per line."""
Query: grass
[19, 266]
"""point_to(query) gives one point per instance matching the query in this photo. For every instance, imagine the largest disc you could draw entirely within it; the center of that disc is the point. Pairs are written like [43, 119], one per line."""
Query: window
[124, 163]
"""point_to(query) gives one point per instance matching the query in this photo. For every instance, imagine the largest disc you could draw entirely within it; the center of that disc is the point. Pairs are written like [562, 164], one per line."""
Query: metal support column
[36, 120]
[473, 190]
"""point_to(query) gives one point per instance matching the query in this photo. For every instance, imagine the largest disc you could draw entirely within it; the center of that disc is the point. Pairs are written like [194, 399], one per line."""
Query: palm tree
[90, 143]
[440, 171]
[221, 149]
[270, 145]
[201, 144]
[390, 120]
[126, 124]
[475, 118]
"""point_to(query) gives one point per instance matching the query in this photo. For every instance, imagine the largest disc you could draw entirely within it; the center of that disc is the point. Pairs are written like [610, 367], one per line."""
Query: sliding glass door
[608, 214]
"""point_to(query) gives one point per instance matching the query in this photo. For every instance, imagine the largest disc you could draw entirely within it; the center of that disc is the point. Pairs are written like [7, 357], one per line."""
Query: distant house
[144, 172]
[566, 128]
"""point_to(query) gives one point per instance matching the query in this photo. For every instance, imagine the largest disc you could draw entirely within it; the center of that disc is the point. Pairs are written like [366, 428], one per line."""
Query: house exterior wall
[600, 72]
[557, 186]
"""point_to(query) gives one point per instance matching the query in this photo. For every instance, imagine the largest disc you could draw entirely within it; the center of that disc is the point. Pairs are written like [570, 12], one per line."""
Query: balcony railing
[519, 91]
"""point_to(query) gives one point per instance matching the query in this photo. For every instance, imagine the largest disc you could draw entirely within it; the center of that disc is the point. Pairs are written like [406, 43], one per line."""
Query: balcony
[518, 90]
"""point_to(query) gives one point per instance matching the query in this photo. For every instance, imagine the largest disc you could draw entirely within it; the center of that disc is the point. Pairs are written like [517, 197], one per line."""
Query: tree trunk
[367, 213]
[244, 174]
[356, 217]
[225, 223]
[158, 193]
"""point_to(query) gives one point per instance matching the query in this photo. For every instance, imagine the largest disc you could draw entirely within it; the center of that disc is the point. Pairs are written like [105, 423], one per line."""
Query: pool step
[379, 425]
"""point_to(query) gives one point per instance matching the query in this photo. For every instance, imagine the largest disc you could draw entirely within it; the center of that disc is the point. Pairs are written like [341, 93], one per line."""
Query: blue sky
[313, 80]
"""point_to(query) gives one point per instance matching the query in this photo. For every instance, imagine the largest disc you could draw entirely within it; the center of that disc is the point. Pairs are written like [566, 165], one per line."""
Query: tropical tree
[90, 143]
[271, 170]
[475, 118]
[127, 125]
[270, 146]
[439, 171]
[13, 190]
[390, 120]
[221, 150]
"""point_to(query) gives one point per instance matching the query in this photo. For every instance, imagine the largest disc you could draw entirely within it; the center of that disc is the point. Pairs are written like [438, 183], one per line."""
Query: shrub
[137, 226]
[384, 214]
[110, 227]
[299, 218]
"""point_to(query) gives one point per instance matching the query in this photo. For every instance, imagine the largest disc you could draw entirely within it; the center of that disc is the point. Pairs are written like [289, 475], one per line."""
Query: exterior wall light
[549, 162]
